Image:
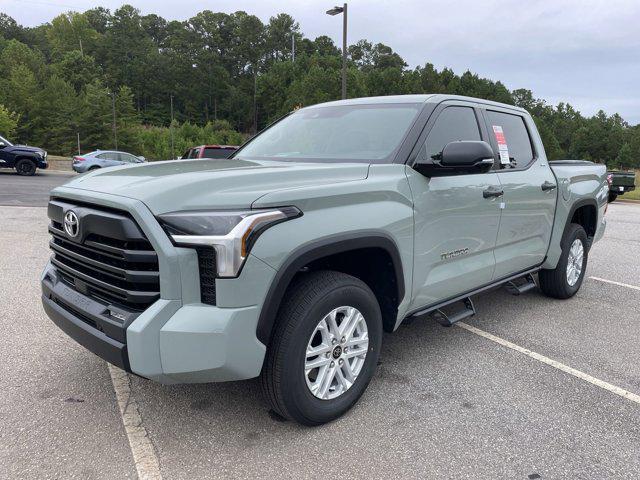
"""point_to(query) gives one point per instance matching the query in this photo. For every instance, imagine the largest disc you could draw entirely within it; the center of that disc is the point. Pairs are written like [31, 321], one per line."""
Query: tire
[284, 379]
[612, 197]
[95, 167]
[26, 167]
[556, 283]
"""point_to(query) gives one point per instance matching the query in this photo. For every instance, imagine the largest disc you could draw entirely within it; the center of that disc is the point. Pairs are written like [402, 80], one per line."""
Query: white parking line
[620, 284]
[144, 455]
[555, 364]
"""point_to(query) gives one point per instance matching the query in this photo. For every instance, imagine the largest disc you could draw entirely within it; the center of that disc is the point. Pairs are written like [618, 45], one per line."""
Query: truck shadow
[409, 357]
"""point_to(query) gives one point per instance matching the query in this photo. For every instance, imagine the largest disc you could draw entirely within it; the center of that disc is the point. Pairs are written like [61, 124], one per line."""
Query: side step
[447, 319]
[518, 286]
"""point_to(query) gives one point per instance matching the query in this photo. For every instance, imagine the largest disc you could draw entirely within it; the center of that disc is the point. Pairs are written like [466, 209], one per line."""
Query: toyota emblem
[71, 224]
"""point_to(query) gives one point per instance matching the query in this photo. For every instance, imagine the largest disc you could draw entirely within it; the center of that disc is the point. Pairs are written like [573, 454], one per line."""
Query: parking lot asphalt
[29, 191]
[445, 403]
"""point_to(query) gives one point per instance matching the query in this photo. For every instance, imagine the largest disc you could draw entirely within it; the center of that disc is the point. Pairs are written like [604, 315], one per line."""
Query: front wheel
[26, 167]
[325, 348]
[565, 280]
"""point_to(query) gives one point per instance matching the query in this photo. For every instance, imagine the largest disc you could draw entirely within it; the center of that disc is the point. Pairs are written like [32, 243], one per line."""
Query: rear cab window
[510, 137]
[217, 152]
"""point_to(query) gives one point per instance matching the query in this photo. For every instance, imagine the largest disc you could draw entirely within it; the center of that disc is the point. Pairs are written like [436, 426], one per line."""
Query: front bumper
[80, 328]
[177, 339]
[42, 162]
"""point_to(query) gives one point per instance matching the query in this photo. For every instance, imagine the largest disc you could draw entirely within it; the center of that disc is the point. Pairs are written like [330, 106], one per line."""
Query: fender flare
[316, 250]
[576, 205]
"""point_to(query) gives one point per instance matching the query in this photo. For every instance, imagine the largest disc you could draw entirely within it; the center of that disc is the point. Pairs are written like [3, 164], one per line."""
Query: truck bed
[580, 183]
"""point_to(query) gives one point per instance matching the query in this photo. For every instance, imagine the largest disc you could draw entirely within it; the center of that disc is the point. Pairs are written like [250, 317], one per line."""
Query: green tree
[54, 116]
[77, 69]
[8, 122]
[624, 159]
[71, 31]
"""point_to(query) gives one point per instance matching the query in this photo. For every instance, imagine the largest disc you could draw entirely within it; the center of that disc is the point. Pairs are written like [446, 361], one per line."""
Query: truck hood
[24, 149]
[206, 184]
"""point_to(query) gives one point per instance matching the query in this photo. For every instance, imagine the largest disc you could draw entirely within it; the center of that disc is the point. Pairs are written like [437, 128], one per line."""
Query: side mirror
[459, 157]
[2, 144]
[141, 159]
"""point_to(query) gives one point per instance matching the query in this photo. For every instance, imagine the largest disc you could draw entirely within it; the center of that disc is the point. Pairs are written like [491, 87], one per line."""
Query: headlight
[230, 233]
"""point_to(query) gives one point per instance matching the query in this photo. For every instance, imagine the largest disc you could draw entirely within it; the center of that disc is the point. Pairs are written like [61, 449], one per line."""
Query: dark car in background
[620, 183]
[103, 158]
[210, 151]
[26, 160]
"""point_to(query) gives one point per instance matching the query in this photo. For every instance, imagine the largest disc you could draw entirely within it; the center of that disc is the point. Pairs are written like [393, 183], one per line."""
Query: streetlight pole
[115, 128]
[171, 131]
[335, 11]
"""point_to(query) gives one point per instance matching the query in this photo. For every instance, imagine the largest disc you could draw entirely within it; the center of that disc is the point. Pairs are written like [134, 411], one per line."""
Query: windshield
[6, 142]
[341, 133]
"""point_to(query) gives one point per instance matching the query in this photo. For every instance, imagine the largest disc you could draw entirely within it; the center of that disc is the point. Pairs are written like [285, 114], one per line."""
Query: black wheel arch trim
[315, 250]
[585, 202]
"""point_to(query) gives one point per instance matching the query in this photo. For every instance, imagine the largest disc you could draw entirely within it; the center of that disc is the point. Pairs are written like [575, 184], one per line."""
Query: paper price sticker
[503, 149]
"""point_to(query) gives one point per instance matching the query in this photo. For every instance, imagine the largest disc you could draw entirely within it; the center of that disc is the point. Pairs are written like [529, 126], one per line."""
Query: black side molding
[314, 251]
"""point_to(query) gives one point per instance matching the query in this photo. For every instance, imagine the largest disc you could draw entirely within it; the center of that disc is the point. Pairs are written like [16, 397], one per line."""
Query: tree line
[223, 77]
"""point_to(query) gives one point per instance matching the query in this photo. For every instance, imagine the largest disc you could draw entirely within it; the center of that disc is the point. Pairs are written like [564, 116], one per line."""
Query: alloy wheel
[336, 352]
[574, 262]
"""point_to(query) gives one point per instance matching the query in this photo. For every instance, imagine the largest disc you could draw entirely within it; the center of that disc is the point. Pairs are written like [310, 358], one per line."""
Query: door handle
[548, 186]
[492, 192]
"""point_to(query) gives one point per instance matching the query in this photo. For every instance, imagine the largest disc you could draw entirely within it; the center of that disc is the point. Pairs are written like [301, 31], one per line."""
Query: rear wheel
[26, 167]
[612, 197]
[325, 348]
[565, 280]
[95, 167]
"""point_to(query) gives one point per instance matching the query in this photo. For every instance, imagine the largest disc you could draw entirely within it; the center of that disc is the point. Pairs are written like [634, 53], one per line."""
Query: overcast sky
[584, 52]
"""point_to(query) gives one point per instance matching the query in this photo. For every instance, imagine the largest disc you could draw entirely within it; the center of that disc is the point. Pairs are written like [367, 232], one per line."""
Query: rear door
[528, 206]
[455, 226]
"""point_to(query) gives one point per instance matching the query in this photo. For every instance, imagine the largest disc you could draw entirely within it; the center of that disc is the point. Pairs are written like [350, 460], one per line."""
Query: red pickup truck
[210, 151]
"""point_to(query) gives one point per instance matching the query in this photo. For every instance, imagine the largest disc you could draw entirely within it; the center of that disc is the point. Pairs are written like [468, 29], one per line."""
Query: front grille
[207, 268]
[111, 260]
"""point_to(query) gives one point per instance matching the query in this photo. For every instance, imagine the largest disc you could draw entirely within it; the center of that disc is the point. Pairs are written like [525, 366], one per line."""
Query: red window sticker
[503, 149]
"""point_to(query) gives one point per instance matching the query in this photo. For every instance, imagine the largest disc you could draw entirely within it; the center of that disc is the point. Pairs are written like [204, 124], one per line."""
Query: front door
[455, 226]
[529, 199]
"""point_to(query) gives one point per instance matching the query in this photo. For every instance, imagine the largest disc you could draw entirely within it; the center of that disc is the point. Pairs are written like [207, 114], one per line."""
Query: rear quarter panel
[578, 184]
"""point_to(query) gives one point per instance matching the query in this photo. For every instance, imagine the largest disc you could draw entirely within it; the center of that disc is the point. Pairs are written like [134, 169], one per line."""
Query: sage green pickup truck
[336, 223]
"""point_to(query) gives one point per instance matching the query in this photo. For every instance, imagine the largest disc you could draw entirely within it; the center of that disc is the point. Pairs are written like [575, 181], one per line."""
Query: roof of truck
[415, 98]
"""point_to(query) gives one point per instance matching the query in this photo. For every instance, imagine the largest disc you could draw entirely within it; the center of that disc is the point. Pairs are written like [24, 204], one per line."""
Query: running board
[521, 285]
[448, 319]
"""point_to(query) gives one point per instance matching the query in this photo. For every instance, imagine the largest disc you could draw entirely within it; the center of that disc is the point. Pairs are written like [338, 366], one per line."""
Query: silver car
[102, 159]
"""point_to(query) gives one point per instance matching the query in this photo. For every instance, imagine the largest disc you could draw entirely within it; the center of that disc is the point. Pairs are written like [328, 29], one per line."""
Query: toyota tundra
[336, 223]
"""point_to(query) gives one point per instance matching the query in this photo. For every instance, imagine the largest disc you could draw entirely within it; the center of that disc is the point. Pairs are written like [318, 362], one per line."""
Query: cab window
[217, 152]
[452, 125]
[515, 136]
